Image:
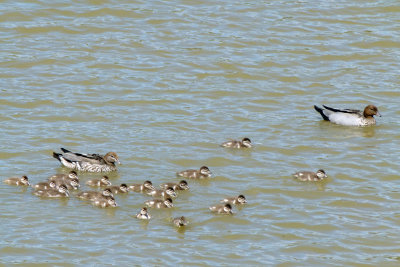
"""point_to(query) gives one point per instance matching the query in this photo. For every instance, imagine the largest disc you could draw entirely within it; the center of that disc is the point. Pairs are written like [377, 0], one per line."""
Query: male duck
[349, 117]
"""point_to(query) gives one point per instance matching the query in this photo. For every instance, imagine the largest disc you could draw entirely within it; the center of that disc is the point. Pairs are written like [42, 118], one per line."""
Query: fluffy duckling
[94, 195]
[349, 117]
[180, 221]
[59, 192]
[245, 143]
[182, 185]
[88, 162]
[70, 180]
[118, 189]
[222, 209]
[105, 202]
[310, 176]
[146, 187]
[203, 172]
[103, 181]
[19, 181]
[159, 203]
[239, 200]
[163, 193]
[44, 185]
[143, 214]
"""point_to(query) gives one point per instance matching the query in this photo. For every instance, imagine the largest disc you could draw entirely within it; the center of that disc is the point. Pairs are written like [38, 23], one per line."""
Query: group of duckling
[59, 185]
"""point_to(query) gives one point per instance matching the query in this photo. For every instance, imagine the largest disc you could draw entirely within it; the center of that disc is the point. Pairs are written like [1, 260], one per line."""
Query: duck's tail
[321, 111]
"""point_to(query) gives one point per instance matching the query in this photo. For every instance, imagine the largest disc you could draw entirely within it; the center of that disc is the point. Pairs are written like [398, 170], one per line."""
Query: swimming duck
[88, 162]
[61, 191]
[180, 221]
[44, 185]
[245, 143]
[163, 193]
[222, 209]
[93, 195]
[118, 189]
[349, 117]
[24, 181]
[182, 185]
[103, 181]
[159, 203]
[240, 199]
[105, 202]
[204, 172]
[146, 187]
[143, 214]
[310, 176]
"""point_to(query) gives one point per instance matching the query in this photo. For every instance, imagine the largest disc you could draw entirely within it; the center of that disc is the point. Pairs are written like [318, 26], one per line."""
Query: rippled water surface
[163, 84]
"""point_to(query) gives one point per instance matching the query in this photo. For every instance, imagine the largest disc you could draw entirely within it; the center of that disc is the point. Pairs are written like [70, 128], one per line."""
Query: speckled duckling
[163, 193]
[310, 176]
[203, 172]
[44, 185]
[159, 203]
[245, 143]
[70, 180]
[102, 182]
[146, 187]
[118, 189]
[182, 185]
[180, 221]
[19, 181]
[59, 192]
[94, 195]
[105, 202]
[222, 209]
[239, 200]
[88, 162]
[143, 214]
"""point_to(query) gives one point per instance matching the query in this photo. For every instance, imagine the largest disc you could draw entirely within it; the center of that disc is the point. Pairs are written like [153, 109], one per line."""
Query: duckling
[70, 180]
[94, 195]
[163, 193]
[104, 181]
[222, 209]
[105, 202]
[310, 176]
[240, 199]
[44, 185]
[61, 191]
[245, 143]
[18, 181]
[146, 187]
[88, 162]
[180, 221]
[182, 185]
[204, 172]
[70, 175]
[118, 189]
[143, 214]
[159, 203]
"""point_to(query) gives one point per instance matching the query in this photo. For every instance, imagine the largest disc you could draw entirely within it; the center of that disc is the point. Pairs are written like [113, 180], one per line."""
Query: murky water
[163, 84]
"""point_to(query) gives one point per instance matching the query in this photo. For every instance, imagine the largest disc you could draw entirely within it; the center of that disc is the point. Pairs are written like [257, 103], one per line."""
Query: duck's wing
[352, 111]
[73, 157]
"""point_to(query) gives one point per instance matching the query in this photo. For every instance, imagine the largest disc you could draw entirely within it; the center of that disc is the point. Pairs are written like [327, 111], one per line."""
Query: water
[163, 84]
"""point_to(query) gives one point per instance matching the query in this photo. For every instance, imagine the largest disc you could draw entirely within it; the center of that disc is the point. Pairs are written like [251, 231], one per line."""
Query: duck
[44, 185]
[182, 185]
[105, 202]
[222, 209]
[61, 191]
[180, 221]
[203, 172]
[88, 162]
[239, 200]
[163, 193]
[93, 195]
[245, 143]
[70, 180]
[103, 181]
[143, 214]
[310, 176]
[159, 203]
[146, 187]
[349, 117]
[118, 189]
[19, 181]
